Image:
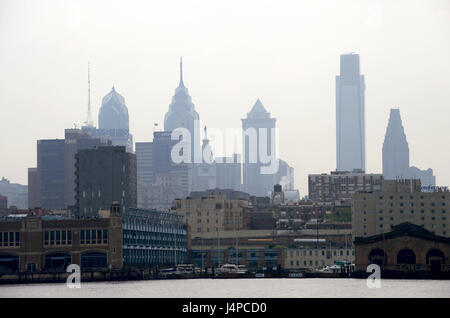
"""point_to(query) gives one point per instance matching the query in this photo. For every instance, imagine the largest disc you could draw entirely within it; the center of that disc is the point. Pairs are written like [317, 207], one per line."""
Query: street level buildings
[406, 249]
[119, 237]
[316, 257]
[211, 214]
[341, 185]
[37, 243]
[400, 201]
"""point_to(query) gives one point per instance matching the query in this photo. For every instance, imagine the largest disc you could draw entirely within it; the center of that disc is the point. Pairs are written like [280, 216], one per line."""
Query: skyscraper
[258, 120]
[396, 155]
[395, 149]
[113, 121]
[53, 182]
[182, 114]
[163, 163]
[350, 118]
[113, 113]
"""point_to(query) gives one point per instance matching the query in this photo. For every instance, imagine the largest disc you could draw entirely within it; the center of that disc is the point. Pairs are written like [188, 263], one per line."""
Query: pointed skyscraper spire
[395, 148]
[181, 72]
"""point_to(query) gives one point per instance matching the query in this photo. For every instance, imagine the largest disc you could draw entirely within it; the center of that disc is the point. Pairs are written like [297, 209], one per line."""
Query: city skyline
[302, 102]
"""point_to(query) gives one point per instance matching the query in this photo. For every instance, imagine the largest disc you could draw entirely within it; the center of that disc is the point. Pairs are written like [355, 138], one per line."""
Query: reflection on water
[272, 288]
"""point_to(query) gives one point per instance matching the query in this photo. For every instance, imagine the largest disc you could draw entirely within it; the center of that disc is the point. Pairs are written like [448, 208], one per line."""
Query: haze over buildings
[248, 50]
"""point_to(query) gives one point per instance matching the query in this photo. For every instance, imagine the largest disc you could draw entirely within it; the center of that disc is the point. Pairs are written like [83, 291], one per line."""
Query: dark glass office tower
[105, 175]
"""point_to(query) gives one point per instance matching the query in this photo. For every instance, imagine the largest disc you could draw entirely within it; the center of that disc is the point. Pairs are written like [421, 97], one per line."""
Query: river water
[237, 288]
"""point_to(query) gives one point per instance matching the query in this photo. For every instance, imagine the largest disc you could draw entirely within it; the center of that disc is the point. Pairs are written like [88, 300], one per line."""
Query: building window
[17, 238]
[105, 236]
[82, 237]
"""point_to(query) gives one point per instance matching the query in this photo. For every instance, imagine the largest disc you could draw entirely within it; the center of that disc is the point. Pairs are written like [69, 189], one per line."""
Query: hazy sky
[284, 52]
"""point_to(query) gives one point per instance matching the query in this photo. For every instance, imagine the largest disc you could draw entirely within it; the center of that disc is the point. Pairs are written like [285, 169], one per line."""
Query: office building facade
[104, 175]
[341, 185]
[400, 201]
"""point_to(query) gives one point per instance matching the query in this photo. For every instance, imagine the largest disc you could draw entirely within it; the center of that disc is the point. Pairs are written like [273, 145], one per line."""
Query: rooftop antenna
[89, 121]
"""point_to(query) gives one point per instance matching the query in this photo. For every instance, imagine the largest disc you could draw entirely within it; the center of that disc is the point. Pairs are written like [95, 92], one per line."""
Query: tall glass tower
[350, 118]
